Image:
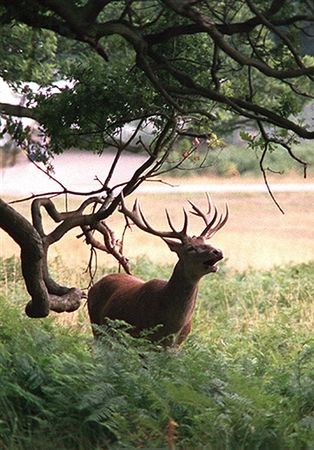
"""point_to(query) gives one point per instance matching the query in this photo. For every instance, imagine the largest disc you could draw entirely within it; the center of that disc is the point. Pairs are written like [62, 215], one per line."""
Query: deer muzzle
[215, 256]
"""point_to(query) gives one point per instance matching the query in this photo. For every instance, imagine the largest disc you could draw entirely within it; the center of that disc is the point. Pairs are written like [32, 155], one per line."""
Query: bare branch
[242, 59]
[277, 32]
[68, 302]
[263, 170]
[33, 260]
[17, 111]
[111, 245]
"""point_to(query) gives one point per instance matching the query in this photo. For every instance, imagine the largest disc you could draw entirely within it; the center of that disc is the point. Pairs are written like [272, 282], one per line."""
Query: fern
[243, 380]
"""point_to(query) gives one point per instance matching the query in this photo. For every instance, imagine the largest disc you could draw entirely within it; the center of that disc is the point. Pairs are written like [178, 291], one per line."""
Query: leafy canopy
[211, 65]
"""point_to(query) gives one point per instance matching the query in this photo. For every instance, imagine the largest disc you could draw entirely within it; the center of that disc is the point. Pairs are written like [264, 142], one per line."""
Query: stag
[164, 307]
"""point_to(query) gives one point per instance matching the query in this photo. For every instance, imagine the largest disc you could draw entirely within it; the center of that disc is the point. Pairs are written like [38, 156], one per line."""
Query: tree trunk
[34, 267]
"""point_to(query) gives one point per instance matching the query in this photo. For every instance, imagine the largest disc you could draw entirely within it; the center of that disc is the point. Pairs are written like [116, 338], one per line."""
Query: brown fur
[166, 305]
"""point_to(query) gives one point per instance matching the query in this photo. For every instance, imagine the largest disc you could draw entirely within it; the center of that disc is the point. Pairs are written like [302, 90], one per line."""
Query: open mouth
[210, 264]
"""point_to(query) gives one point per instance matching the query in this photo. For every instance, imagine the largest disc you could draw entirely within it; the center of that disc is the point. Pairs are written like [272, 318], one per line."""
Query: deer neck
[183, 276]
[182, 288]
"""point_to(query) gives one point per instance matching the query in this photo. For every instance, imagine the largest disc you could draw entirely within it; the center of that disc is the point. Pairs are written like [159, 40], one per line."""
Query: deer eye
[190, 249]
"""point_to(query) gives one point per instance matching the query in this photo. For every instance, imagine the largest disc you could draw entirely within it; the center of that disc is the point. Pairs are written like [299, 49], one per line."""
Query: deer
[164, 308]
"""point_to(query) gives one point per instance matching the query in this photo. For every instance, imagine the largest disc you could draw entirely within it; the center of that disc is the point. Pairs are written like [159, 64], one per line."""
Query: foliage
[243, 380]
[231, 160]
[209, 65]
[27, 54]
[94, 108]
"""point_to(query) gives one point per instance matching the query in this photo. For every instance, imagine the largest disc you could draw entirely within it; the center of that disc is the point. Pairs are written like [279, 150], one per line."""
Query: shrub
[234, 160]
[243, 380]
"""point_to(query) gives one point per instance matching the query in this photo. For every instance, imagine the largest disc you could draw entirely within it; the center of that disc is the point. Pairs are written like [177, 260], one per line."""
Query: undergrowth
[240, 160]
[243, 380]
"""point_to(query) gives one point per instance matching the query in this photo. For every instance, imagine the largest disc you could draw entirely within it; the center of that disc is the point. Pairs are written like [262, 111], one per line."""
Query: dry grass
[256, 235]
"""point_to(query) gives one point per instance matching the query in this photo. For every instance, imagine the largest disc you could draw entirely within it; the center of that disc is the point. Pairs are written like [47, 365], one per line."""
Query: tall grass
[243, 380]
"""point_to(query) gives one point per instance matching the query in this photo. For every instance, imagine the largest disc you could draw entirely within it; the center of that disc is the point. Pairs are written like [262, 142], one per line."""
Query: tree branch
[241, 106]
[218, 37]
[34, 266]
[263, 170]
[111, 245]
[32, 255]
[277, 32]
[92, 9]
[18, 111]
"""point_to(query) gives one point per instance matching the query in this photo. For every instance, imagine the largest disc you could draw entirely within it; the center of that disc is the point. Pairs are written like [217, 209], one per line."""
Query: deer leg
[183, 334]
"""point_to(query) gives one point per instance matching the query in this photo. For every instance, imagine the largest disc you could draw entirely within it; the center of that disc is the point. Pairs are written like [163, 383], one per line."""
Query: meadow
[256, 235]
[244, 379]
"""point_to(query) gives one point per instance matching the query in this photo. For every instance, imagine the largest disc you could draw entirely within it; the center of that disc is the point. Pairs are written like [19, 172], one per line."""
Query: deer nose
[217, 252]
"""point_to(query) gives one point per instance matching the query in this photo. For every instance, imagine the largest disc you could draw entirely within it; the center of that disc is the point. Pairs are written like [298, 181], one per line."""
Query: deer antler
[211, 228]
[137, 217]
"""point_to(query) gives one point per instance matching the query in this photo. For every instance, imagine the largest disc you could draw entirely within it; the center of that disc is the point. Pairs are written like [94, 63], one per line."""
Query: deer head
[197, 256]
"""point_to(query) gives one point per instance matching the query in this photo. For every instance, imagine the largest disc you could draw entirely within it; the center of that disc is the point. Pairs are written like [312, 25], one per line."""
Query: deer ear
[173, 245]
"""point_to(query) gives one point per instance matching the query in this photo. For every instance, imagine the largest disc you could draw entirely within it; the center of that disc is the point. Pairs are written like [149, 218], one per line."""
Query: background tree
[185, 67]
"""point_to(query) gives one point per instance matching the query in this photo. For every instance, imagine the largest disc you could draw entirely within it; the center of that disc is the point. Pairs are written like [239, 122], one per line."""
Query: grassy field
[244, 380]
[256, 235]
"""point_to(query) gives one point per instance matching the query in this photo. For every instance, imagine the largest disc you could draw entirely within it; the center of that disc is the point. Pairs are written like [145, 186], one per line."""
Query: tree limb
[32, 255]
[18, 111]
[92, 9]
[217, 36]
